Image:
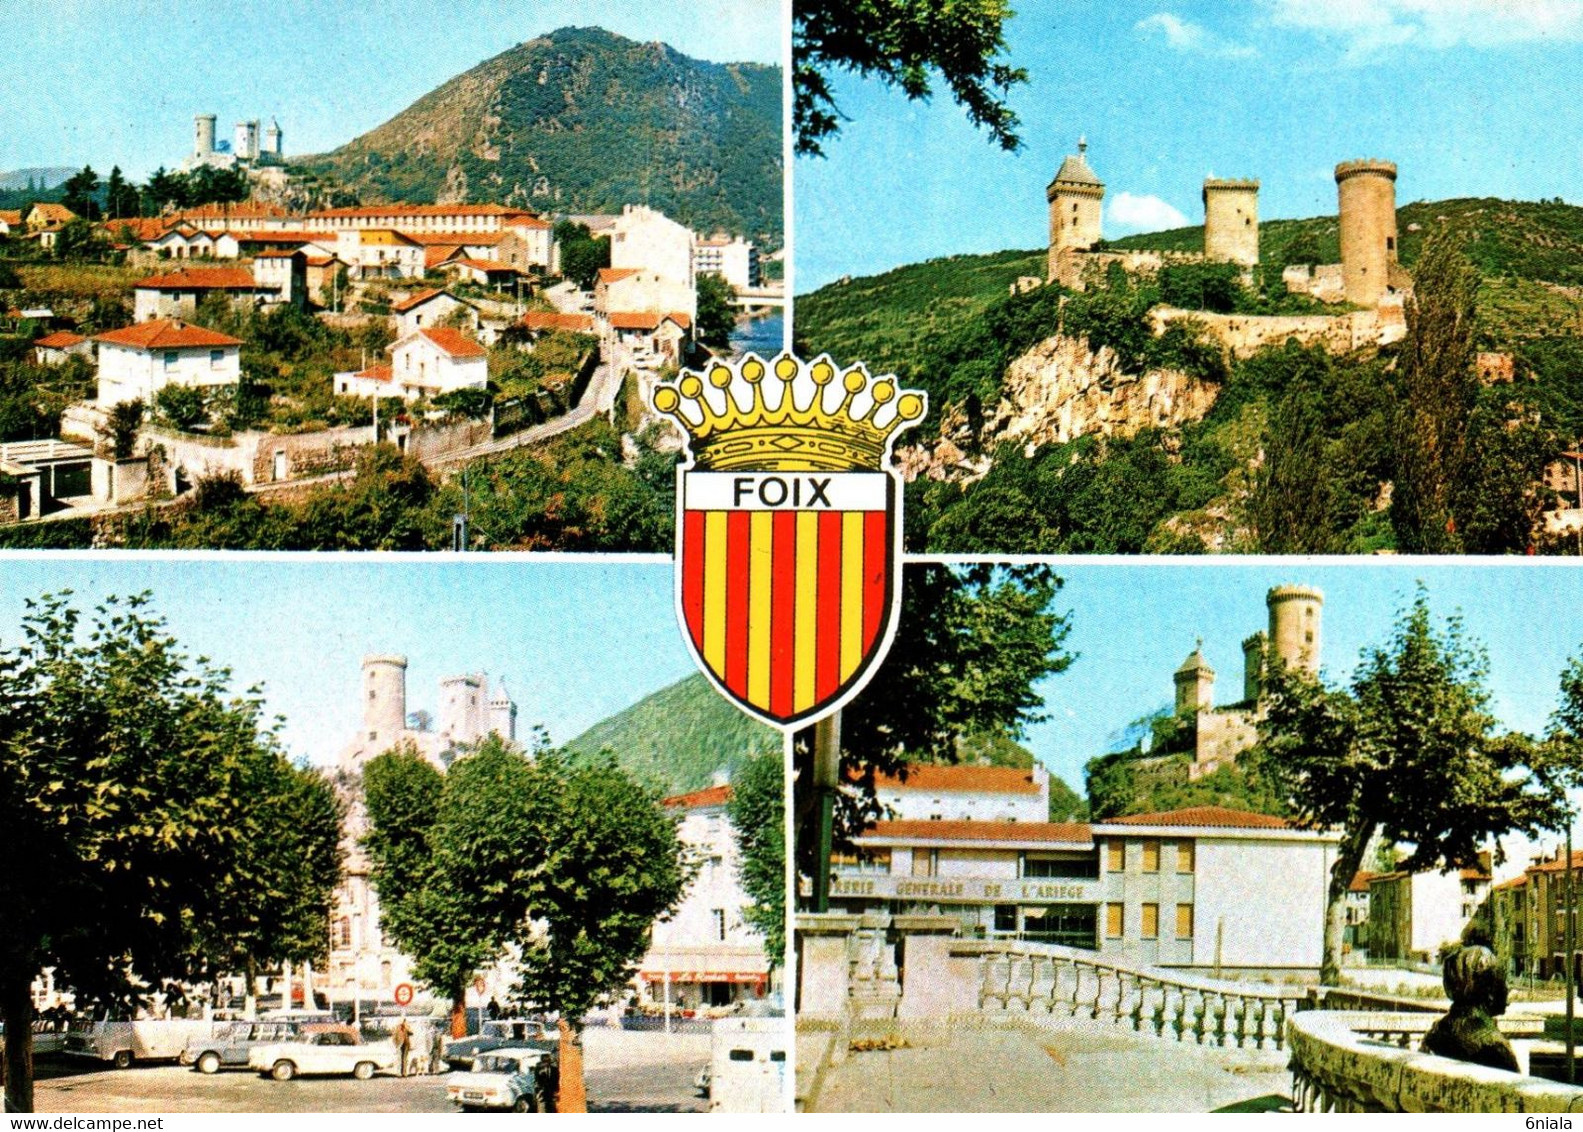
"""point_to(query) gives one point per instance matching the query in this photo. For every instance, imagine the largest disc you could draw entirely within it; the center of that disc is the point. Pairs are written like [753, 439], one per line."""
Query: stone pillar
[825, 973]
[933, 983]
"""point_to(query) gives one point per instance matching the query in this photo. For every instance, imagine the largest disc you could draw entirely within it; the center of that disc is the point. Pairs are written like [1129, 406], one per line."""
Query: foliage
[902, 43]
[79, 192]
[1409, 753]
[120, 199]
[582, 253]
[971, 644]
[676, 740]
[474, 404]
[181, 406]
[78, 239]
[33, 397]
[717, 318]
[133, 776]
[206, 184]
[758, 816]
[123, 421]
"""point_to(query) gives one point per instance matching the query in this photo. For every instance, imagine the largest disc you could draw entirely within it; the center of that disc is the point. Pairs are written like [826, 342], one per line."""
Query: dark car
[523, 1033]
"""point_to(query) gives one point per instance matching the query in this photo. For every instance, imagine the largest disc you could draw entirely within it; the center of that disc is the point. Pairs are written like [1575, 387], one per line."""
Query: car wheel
[209, 1062]
[283, 1071]
[521, 1105]
[363, 1070]
[122, 1059]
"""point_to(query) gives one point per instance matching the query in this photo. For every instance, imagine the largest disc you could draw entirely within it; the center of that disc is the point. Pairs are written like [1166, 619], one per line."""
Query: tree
[181, 405]
[1502, 498]
[165, 190]
[1439, 389]
[120, 199]
[129, 773]
[582, 253]
[1291, 502]
[717, 317]
[79, 191]
[902, 43]
[78, 239]
[758, 815]
[971, 643]
[122, 423]
[1409, 753]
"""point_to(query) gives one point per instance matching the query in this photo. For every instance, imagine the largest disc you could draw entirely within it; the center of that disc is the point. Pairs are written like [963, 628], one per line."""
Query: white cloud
[1186, 36]
[1127, 213]
[1368, 28]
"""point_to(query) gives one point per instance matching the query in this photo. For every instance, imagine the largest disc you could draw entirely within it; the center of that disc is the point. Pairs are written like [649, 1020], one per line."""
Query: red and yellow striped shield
[787, 583]
[788, 528]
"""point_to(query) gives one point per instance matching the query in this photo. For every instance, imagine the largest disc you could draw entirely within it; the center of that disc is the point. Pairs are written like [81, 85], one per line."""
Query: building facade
[138, 361]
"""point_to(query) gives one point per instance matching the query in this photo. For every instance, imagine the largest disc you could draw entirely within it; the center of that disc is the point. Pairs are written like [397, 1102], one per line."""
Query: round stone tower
[1294, 626]
[1195, 683]
[272, 138]
[203, 135]
[1253, 667]
[384, 698]
[1367, 203]
[1231, 221]
[1076, 197]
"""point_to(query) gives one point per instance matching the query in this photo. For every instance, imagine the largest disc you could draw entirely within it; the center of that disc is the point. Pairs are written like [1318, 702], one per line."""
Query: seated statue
[1476, 986]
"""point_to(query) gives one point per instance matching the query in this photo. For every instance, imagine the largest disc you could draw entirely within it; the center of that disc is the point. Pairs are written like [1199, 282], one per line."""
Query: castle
[1223, 733]
[246, 147]
[1368, 276]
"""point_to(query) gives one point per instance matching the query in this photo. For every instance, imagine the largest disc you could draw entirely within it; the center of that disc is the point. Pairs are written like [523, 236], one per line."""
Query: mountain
[676, 739]
[43, 178]
[583, 120]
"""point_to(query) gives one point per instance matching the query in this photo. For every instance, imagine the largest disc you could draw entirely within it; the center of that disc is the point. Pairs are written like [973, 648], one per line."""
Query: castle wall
[1245, 334]
[1323, 282]
[1076, 270]
[1231, 222]
[1223, 734]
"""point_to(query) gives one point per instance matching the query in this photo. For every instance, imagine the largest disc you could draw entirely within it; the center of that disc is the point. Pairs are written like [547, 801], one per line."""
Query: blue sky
[118, 81]
[1469, 97]
[574, 640]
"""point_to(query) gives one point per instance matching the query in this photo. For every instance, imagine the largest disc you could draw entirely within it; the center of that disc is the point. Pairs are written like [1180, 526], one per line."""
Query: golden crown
[736, 420]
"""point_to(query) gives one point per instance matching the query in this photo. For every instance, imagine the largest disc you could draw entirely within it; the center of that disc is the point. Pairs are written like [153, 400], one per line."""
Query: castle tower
[463, 711]
[1367, 203]
[384, 702]
[1294, 626]
[503, 714]
[1195, 684]
[203, 135]
[1231, 221]
[246, 146]
[1253, 666]
[1075, 197]
[272, 139]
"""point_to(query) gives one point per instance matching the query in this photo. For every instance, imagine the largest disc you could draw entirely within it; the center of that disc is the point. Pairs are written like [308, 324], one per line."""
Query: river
[763, 336]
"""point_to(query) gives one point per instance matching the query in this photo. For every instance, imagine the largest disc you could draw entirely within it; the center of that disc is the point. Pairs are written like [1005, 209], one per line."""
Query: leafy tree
[904, 43]
[970, 645]
[1439, 389]
[717, 318]
[1291, 501]
[129, 772]
[474, 404]
[1409, 753]
[181, 405]
[78, 239]
[1203, 287]
[582, 253]
[9, 279]
[758, 815]
[1502, 497]
[120, 199]
[79, 192]
[164, 190]
[124, 419]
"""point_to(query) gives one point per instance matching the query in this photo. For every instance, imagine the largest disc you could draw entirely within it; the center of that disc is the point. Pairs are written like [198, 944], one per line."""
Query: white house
[528, 243]
[428, 307]
[380, 253]
[438, 359]
[705, 954]
[185, 242]
[662, 334]
[54, 349]
[653, 241]
[138, 361]
[967, 793]
[178, 294]
[626, 290]
[732, 258]
[284, 274]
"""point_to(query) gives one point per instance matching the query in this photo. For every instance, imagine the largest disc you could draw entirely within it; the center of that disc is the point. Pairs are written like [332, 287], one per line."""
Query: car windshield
[488, 1064]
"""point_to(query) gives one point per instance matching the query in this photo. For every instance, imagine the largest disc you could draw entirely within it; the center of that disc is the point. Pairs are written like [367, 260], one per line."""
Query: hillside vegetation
[677, 739]
[582, 120]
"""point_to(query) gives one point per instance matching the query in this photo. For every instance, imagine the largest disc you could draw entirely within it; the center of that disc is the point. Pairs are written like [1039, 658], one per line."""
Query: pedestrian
[437, 1053]
[402, 1036]
[492, 1011]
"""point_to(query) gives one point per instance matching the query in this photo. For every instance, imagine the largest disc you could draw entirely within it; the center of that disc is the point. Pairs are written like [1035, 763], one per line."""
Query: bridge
[900, 1012]
[760, 298]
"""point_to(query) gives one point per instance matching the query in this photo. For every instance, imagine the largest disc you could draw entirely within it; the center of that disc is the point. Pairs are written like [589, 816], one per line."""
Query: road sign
[479, 984]
[403, 994]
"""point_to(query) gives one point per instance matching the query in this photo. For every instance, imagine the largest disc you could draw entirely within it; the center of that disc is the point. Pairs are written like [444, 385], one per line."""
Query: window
[741, 1055]
[171, 358]
[777, 1055]
[1185, 857]
[718, 915]
[1184, 921]
[346, 931]
[1151, 921]
[216, 358]
[1115, 856]
[925, 862]
[1151, 856]
[1081, 868]
[1114, 919]
[1005, 917]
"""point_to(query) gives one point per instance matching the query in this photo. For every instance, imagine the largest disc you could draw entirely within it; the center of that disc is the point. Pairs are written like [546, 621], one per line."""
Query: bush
[181, 406]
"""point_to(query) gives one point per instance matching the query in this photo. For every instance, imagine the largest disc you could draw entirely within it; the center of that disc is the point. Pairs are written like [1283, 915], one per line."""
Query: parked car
[229, 1048]
[122, 1043]
[509, 1079]
[530, 1033]
[330, 1050]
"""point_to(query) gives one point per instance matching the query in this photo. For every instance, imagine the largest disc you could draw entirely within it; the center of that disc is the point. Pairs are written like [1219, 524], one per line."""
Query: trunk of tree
[1349, 858]
[573, 1093]
[250, 1000]
[459, 1013]
[16, 1011]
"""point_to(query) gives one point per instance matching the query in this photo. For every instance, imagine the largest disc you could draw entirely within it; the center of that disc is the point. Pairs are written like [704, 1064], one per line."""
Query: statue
[1476, 986]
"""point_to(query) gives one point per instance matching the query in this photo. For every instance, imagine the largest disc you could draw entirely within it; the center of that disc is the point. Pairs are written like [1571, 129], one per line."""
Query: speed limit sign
[479, 984]
[403, 994]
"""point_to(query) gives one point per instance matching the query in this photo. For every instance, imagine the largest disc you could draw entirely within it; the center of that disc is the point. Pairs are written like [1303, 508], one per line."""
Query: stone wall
[1322, 281]
[440, 442]
[1077, 269]
[308, 454]
[1245, 334]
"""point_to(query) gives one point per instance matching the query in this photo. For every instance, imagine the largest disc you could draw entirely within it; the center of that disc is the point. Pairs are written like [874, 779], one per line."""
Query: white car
[514, 1079]
[331, 1051]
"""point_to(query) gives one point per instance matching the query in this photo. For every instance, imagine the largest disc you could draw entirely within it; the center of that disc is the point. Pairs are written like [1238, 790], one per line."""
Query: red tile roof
[528, 222]
[1206, 817]
[166, 334]
[275, 253]
[490, 265]
[420, 210]
[1515, 882]
[1360, 881]
[416, 299]
[1069, 833]
[200, 279]
[52, 213]
[975, 779]
[635, 320]
[377, 373]
[435, 256]
[558, 320]
[615, 274]
[453, 342]
[681, 319]
[283, 236]
[233, 212]
[60, 340]
[709, 796]
[143, 228]
[10, 215]
[1558, 864]
[455, 239]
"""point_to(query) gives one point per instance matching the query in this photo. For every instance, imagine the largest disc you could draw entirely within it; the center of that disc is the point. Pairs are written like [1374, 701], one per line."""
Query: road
[625, 1072]
[597, 398]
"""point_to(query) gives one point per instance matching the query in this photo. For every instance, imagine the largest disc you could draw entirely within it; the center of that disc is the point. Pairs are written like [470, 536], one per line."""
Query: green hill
[1000, 750]
[677, 738]
[582, 120]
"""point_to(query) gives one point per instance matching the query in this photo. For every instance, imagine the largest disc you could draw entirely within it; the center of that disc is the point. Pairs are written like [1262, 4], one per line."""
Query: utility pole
[826, 779]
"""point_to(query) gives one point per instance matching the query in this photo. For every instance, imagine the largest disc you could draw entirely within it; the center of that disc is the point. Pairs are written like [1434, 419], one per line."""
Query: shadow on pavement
[1273, 1102]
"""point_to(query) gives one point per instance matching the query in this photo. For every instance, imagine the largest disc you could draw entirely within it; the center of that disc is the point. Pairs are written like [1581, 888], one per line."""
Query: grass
[79, 280]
